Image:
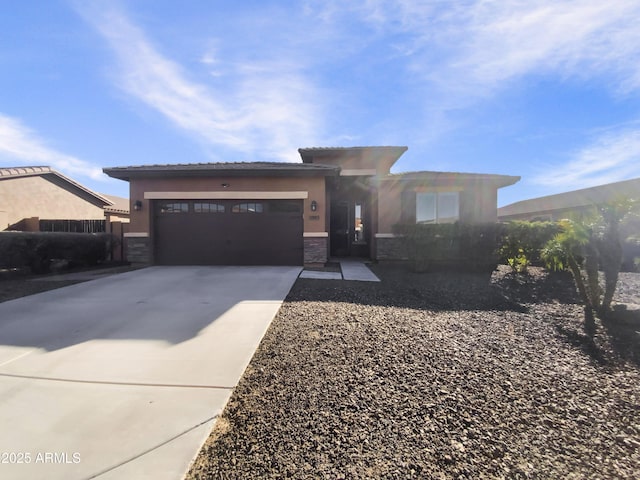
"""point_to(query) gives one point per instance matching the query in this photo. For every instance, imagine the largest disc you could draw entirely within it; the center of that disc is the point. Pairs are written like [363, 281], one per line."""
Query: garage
[228, 213]
[228, 232]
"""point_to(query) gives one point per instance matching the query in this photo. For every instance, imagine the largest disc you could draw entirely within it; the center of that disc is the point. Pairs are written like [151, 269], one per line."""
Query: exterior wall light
[225, 185]
[137, 206]
[314, 205]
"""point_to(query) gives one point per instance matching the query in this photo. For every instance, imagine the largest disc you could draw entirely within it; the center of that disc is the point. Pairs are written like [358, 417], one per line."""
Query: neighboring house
[337, 202]
[39, 198]
[564, 205]
[118, 211]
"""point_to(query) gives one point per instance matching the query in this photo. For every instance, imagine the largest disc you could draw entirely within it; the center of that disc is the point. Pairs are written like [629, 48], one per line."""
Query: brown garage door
[228, 232]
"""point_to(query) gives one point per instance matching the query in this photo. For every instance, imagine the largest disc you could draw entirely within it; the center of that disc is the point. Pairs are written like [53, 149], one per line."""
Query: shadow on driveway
[170, 304]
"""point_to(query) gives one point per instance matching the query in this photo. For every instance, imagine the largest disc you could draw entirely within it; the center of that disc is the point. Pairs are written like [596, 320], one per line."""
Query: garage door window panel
[252, 207]
[174, 207]
[208, 207]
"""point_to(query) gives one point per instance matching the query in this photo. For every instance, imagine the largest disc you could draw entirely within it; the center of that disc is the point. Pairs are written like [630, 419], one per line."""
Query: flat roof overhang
[308, 154]
[380, 158]
[452, 178]
[240, 169]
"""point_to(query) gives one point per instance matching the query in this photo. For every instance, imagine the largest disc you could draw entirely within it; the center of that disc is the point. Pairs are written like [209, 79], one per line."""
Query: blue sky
[548, 90]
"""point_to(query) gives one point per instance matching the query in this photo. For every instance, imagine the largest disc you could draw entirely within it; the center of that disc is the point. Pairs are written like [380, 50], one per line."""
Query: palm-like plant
[587, 244]
[572, 249]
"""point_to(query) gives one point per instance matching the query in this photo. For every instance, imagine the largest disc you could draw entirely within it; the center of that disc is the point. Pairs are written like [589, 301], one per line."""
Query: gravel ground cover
[436, 376]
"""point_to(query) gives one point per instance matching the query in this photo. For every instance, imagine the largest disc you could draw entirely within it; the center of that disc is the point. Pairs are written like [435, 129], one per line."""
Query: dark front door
[350, 225]
[339, 228]
[228, 232]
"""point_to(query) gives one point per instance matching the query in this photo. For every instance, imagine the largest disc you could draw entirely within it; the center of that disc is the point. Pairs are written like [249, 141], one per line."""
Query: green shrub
[458, 246]
[522, 242]
[587, 245]
[38, 249]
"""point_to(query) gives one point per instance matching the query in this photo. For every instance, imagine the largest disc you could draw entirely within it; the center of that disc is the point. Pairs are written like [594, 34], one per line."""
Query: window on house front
[358, 224]
[247, 208]
[208, 207]
[441, 207]
[174, 207]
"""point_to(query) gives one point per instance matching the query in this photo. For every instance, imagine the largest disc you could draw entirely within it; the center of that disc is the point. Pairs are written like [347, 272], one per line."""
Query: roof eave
[499, 181]
[128, 174]
[116, 211]
[309, 154]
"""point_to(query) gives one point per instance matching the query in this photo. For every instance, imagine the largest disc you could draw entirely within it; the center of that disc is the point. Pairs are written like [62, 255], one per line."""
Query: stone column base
[390, 248]
[138, 249]
[315, 250]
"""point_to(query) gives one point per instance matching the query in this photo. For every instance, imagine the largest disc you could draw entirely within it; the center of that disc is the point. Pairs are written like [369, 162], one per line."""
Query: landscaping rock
[435, 376]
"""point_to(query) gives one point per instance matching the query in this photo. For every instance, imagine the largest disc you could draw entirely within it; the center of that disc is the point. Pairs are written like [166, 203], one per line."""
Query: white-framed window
[437, 207]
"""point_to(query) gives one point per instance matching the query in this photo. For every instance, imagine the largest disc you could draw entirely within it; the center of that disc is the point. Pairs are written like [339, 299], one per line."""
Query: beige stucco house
[337, 202]
[30, 196]
[567, 204]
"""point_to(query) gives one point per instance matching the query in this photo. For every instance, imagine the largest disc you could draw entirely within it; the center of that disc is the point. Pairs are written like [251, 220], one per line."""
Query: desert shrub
[522, 241]
[457, 246]
[38, 249]
[587, 245]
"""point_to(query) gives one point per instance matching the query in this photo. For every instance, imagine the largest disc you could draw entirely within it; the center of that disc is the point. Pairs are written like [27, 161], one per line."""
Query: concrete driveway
[123, 377]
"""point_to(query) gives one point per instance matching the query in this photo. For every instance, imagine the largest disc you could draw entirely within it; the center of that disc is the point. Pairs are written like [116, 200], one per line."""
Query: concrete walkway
[352, 269]
[123, 376]
[357, 270]
[321, 275]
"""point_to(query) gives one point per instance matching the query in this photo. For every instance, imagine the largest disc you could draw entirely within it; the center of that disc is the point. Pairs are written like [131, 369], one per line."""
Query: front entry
[350, 219]
[339, 229]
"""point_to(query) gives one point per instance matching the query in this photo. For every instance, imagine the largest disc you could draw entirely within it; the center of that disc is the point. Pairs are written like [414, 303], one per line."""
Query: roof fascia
[128, 174]
[499, 181]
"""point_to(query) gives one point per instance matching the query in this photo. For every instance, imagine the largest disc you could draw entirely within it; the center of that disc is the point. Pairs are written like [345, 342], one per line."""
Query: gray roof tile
[221, 168]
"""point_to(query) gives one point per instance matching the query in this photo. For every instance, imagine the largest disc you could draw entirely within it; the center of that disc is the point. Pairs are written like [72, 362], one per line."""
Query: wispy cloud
[581, 39]
[262, 109]
[21, 145]
[457, 54]
[470, 48]
[451, 57]
[612, 156]
[264, 98]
